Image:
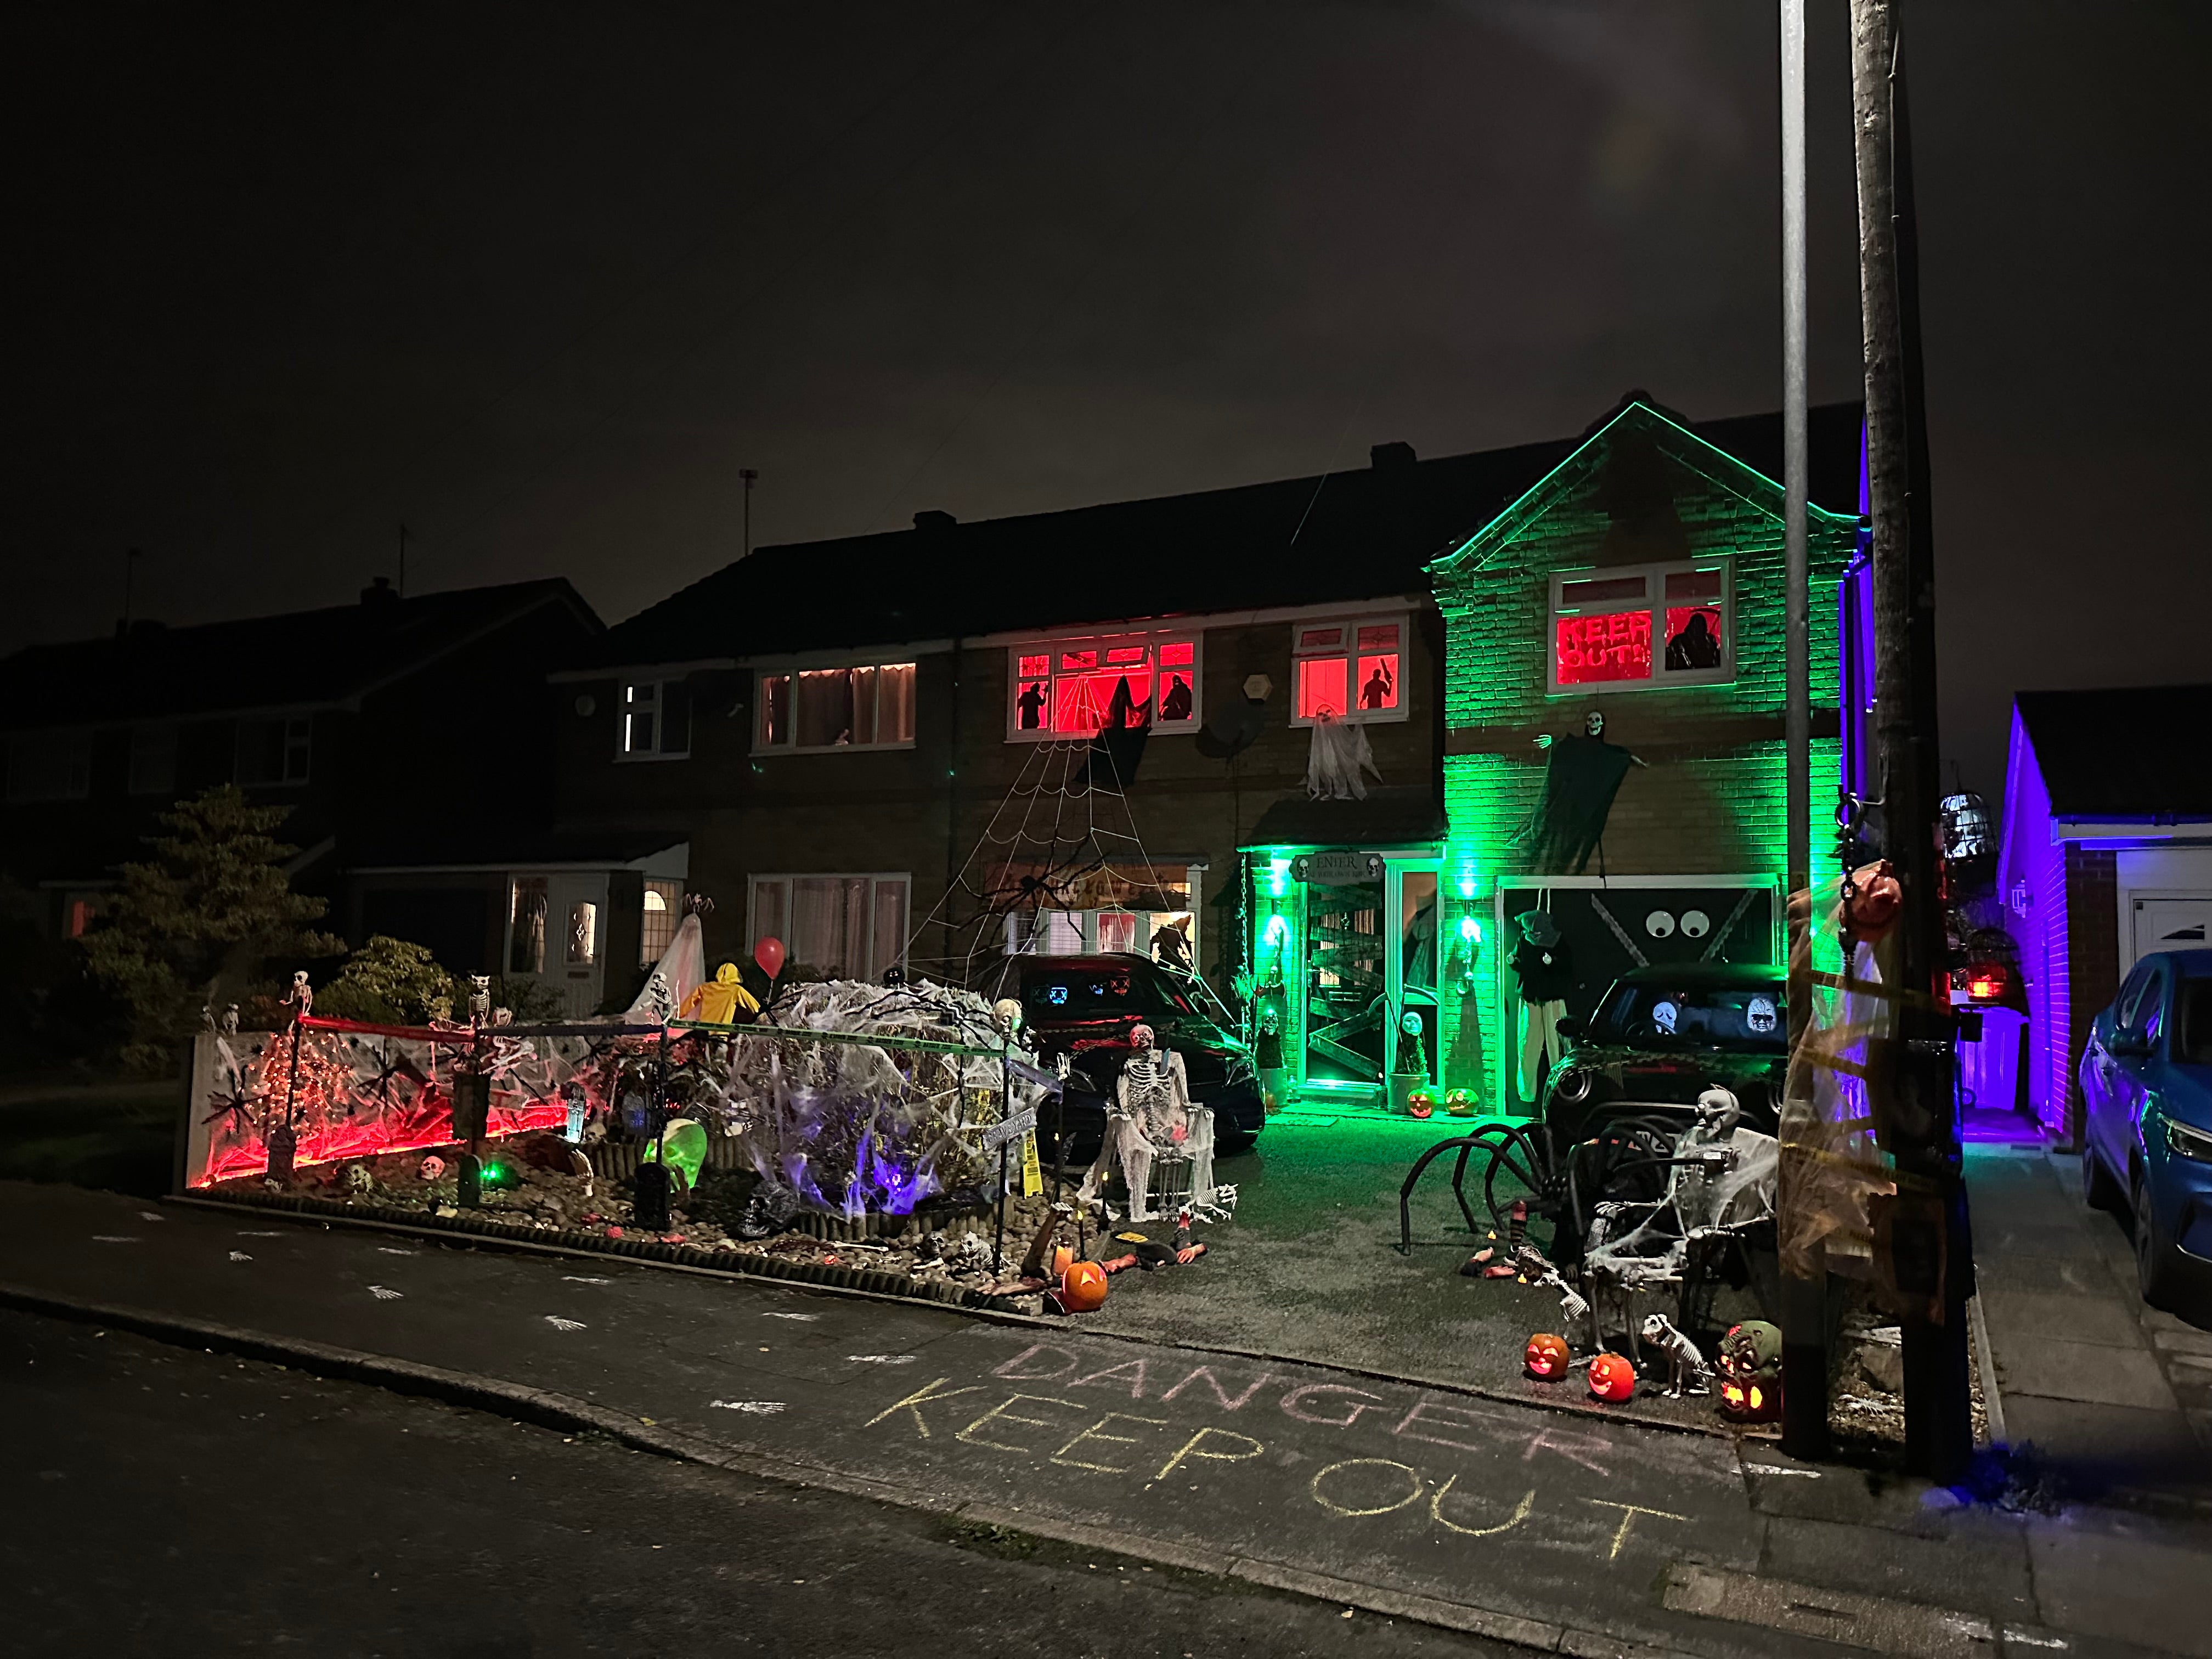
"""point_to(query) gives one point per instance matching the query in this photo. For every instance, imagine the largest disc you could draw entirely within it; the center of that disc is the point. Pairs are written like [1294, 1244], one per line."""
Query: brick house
[858, 740]
[1640, 579]
[392, 729]
[2106, 856]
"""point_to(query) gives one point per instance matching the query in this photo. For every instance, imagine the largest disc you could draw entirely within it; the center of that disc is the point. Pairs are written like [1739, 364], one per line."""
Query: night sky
[536, 280]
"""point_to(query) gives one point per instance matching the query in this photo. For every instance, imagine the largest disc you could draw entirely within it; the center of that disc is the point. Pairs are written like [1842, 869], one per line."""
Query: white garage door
[2166, 921]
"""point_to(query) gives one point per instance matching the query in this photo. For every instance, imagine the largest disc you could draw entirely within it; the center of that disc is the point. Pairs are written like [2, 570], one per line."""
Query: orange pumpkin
[1083, 1286]
[1612, 1378]
[1546, 1357]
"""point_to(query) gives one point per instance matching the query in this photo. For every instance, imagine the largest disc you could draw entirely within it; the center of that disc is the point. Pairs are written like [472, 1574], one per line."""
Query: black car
[1660, 1037]
[1087, 1006]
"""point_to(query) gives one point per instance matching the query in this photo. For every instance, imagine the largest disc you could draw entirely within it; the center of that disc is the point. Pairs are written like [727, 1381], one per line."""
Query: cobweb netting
[1062, 841]
[1831, 1165]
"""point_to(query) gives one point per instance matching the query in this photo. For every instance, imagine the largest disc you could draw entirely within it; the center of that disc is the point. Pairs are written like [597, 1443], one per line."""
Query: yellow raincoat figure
[717, 1000]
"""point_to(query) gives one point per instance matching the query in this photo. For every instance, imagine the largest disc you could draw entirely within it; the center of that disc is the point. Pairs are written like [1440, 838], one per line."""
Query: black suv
[1086, 1006]
[1662, 1036]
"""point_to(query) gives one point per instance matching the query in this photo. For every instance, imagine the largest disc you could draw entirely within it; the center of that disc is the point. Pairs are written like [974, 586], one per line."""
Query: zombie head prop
[1141, 1036]
[1007, 1011]
[1538, 928]
[1751, 1372]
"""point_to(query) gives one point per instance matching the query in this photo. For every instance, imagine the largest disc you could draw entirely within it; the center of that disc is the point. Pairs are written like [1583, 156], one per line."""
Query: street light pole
[750, 476]
[1804, 1300]
[1929, 1256]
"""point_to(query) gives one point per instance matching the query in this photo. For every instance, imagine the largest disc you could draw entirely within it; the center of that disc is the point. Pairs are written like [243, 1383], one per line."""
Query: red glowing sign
[1590, 650]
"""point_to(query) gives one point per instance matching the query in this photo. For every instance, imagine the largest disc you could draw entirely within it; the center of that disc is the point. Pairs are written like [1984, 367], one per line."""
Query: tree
[211, 905]
[389, 981]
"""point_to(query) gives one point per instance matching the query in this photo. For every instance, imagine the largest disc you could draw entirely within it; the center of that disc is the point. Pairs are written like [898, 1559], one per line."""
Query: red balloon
[769, 954]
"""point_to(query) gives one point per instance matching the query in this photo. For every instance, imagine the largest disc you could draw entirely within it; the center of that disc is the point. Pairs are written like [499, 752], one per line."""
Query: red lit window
[1077, 690]
[1653, 626]
[1348, 671]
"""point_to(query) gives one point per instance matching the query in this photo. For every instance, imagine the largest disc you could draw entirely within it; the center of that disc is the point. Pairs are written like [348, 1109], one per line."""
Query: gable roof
[1362, 534]
[1700, 449]
[2124, 753]
[303, 659]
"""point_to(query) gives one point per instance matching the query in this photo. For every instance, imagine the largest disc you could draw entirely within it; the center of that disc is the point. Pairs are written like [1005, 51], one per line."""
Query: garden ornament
[1686, 1371]
[1546, 1357]
[1612, 1378]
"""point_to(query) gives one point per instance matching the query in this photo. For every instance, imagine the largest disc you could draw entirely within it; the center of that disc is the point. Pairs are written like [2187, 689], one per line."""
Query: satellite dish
[1233, 730]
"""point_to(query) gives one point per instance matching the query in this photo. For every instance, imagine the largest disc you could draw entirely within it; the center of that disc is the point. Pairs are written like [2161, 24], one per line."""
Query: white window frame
[1654, 605]
[755, 914]
[762, 676]
[1151, 639]
[654, 704]
[671, 895]
[1349, 651]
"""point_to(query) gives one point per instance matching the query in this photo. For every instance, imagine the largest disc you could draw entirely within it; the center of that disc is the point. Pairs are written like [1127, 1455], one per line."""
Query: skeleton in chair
[1153, 1118]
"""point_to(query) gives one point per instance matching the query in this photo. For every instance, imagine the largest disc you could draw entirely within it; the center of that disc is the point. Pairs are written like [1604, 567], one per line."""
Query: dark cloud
[537, 280]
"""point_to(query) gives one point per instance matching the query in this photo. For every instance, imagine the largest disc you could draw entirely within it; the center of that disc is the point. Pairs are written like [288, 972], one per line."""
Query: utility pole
[750, 476]
[130, 557]
[1804, 1300]
[1930, 1256]
[402, 561]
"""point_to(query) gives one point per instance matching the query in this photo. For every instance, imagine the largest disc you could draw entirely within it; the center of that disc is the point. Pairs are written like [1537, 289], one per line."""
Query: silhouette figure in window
[1696, 646]
[1031, 706]
[1375, 694]
[1175, 702]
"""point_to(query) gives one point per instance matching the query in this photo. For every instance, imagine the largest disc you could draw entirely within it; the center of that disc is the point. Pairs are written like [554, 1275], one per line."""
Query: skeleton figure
[1537, 1271]
[302, 999]
[1152, 1114]
[229, 1027]
[1686, 1371]
[480, 999]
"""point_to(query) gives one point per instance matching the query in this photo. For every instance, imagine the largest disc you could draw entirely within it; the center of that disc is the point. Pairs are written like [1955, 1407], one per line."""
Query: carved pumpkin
[1420, 1104]
[1460, 1103]
[1546, 1357]
[1083, 1287]
[1612, 1378]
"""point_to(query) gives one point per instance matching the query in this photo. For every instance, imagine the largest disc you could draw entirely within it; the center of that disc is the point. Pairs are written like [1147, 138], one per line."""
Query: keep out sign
[1345, 1451]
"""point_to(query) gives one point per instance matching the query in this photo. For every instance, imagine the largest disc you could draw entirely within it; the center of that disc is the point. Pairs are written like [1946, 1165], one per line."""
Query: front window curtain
[837, 926]
[868, 706]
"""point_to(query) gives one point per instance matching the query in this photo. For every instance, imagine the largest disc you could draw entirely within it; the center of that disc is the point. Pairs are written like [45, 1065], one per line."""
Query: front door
[558, 935]
[1346, 979]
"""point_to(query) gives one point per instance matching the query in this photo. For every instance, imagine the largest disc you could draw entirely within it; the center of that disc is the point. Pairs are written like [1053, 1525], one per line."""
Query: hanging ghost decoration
[1583, 777]
[1339, 755]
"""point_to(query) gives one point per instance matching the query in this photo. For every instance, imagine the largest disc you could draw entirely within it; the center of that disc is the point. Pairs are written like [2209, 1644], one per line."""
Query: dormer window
[1642, 629]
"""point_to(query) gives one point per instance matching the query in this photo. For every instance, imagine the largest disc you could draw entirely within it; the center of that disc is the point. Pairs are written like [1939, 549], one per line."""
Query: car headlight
[2185, 1142]
[1573, 1084]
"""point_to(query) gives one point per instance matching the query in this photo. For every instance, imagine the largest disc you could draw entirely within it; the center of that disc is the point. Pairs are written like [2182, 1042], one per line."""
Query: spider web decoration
[1062, 841]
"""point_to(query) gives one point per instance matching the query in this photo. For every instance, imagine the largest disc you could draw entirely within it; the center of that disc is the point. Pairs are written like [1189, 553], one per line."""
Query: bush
[392, 981]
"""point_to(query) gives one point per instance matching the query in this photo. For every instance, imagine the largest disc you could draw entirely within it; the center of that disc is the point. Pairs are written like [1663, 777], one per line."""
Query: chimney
[934, 521]
[379, 594]
[1382, 456]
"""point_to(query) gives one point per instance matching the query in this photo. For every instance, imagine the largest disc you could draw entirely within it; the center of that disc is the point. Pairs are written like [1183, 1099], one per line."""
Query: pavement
[2115, 1395]
[1559, 1530]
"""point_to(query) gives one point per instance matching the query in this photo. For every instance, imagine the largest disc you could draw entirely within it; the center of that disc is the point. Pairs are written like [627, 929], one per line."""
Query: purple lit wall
[1855, 640]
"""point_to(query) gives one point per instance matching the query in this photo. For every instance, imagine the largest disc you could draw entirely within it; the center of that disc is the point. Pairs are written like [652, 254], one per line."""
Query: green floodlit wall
[1717, 812]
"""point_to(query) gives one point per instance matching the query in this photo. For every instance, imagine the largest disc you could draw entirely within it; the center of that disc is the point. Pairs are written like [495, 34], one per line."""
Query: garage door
[2172, 922]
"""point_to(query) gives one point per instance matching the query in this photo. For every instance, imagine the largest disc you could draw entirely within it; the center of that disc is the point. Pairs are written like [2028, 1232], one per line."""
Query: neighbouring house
[1641, 579]
[2106, 856]
[408, 735]
[1068, 731]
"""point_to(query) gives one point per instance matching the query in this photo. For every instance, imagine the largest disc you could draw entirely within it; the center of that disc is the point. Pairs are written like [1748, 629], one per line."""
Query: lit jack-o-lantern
[1460, 1103]
[1546, 1357]
[1612, 1378]
[1083, 1286]
[1420, 1104]
[1751, 1372]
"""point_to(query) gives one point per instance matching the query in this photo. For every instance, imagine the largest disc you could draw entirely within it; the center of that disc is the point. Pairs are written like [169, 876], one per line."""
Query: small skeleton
[1686, 1371]
[1537, 1271]
[480, 999]
[302, 999]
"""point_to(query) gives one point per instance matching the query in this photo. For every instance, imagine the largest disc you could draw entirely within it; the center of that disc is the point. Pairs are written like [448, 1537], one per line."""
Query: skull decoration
[433, 1167]
[1751, 1372]
[1140, 1037]
[1546, 1357]
[1593, 724]
[1007, 1011]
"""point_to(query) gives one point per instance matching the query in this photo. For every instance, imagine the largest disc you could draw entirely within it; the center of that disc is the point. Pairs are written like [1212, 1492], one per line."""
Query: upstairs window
[1636, 630]
[1079, 688]
[867, 707]
[50, 766]
[656, 719]
[1352, 669]
[153, 760]
[274, 752]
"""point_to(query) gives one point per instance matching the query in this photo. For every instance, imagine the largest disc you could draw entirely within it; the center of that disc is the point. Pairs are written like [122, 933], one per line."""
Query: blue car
[2147, 1136]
